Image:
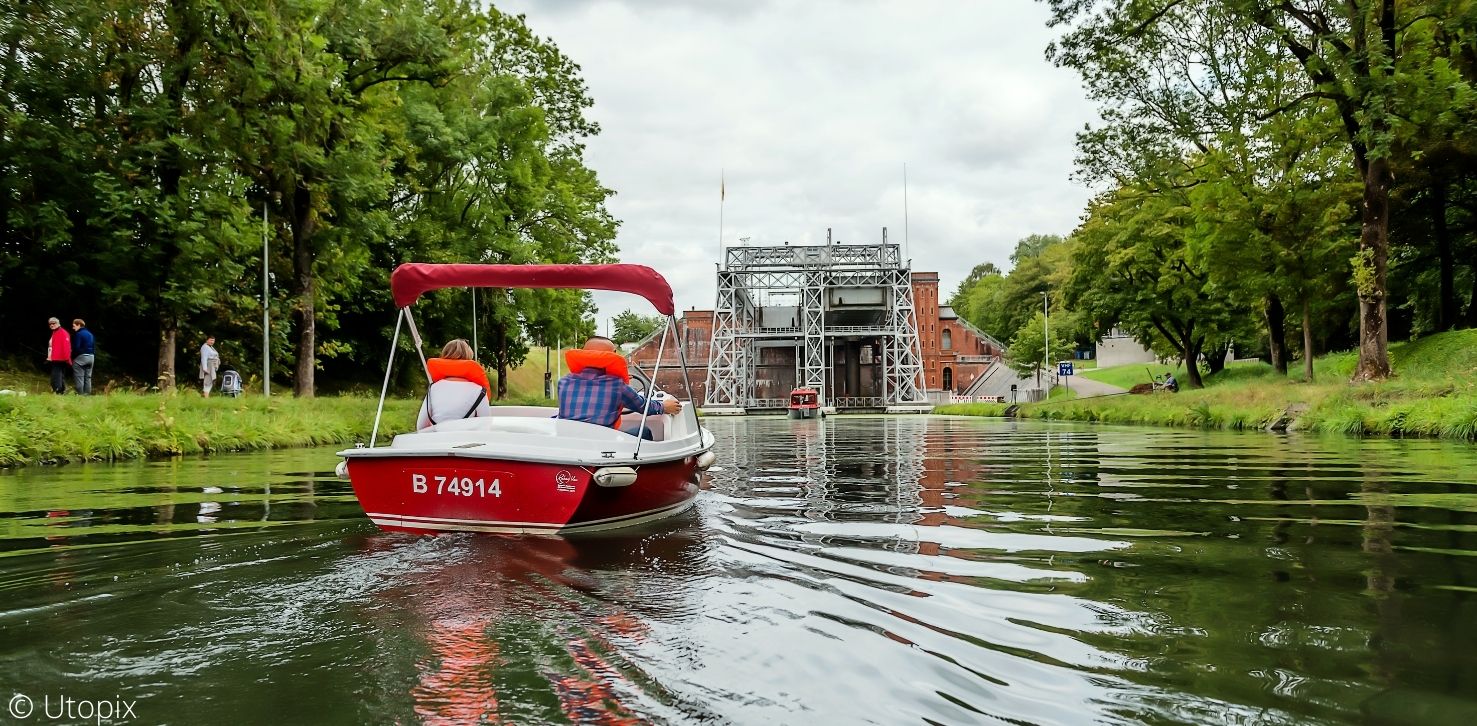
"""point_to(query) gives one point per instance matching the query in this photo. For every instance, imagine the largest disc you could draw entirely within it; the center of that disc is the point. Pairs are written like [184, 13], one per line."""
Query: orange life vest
[612, 363]
[467, 370]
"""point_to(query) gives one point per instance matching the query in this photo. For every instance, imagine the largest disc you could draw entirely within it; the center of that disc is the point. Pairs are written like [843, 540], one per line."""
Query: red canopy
[412, 279]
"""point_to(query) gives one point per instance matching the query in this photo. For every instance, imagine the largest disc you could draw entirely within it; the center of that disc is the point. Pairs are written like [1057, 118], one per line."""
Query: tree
[139, 140]
[1134, 270]
[633, 328]
[998, 304]
[976, 274]
[1175, 74]
[1032, 246]
[1272, 220]
[1027, 351]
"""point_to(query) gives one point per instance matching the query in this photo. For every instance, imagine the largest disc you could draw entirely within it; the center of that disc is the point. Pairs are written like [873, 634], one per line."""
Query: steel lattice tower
[818, 277]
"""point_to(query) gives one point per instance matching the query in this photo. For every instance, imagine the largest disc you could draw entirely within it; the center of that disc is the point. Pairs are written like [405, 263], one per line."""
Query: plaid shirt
[593, 396]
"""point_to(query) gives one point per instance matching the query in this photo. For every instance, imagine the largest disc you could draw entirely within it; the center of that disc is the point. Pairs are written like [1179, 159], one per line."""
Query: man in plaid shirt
[597, 397]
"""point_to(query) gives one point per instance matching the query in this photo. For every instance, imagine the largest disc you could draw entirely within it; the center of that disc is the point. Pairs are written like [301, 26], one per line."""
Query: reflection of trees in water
[1296, 573]
[536, 628]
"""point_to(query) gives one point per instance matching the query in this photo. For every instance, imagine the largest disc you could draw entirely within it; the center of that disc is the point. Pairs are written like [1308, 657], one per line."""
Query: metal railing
[768, 333]
[858, 330]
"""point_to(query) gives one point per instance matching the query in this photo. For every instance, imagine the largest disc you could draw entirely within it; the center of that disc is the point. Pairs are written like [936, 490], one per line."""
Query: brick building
[955, 353]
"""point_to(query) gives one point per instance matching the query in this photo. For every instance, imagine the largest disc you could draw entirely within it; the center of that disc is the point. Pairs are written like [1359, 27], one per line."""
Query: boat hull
[803, 413]
[433, 494]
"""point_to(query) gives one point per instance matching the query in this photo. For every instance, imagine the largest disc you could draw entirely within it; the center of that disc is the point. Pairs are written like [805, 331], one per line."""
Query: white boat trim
[501, 527]
[455, 453]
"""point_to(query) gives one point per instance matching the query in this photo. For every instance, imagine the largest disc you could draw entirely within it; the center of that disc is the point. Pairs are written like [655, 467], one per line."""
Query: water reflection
[856, 569]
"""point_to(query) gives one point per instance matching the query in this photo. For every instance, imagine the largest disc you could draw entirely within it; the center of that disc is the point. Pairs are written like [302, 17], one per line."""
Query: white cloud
[811, 109]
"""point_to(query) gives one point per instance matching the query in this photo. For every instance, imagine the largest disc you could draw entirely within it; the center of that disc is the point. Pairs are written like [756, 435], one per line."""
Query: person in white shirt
[459, 387]
[210, 362]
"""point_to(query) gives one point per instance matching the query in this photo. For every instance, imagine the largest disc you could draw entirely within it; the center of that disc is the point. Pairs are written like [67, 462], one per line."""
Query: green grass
[43, 427]
[1131, 375]
[1433, 393]
[47, 428]
[526, 382]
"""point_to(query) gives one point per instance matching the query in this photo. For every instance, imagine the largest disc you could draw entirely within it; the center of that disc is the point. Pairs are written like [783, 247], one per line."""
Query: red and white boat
[805, 403]
[522, 469]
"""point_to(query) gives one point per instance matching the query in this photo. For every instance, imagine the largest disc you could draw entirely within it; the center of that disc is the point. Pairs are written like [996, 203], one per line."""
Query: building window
[948, 379]
[948, 340]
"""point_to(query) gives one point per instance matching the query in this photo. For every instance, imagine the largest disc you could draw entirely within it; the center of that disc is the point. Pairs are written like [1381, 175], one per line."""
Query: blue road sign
[1064, 369]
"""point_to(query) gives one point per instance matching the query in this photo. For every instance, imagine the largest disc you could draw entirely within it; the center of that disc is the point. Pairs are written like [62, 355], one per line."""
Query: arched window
[948, 379]
[948, 340]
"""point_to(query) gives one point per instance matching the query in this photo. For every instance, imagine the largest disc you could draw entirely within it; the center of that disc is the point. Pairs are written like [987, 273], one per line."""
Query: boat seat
[534, 420]
[657, 424]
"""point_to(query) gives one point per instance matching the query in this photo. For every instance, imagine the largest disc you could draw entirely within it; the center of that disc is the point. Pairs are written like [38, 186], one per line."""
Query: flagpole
[721, 197]
[906, 248]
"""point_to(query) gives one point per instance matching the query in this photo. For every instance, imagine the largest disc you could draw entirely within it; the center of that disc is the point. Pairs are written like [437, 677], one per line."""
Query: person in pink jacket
[59, 355]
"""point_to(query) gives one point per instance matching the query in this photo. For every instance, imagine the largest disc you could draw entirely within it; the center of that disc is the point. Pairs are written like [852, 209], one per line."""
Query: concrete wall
[1116, 349]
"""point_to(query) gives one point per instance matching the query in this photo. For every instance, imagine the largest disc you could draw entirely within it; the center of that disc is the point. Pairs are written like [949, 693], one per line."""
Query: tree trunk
[500, 345]
[1215, 361]
[1276, 332]
[1370, 273]
[170, 172]
[1472, 302]
[305, 289]
[168, 345]
[1446, 308]
[1307, 340]
[1192, 366]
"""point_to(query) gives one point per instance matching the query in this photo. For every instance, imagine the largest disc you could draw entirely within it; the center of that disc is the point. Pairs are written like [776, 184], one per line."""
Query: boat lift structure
[842, 298]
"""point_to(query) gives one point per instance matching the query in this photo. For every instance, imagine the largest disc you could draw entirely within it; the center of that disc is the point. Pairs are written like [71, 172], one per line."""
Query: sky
[806, 113]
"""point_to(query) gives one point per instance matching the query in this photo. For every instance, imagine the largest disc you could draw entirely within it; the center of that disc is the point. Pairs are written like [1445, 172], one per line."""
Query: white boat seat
[534, 420]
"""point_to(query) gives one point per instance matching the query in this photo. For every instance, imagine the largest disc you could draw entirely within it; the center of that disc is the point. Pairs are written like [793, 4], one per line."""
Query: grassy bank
[47, 428]
[1434, 393]
[43, 427]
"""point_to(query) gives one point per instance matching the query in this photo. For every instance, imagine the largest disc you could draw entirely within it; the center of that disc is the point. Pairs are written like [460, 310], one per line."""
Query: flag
[721, 192]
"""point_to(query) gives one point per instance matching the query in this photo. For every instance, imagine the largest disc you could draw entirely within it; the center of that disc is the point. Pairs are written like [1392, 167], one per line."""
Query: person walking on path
[58, 355]
[82, 350]
[210, 361]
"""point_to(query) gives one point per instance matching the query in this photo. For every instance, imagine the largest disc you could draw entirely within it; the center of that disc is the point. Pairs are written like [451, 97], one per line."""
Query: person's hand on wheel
[671, 406]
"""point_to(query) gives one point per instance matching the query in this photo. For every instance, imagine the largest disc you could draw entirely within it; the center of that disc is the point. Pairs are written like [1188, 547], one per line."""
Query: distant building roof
[946, 312]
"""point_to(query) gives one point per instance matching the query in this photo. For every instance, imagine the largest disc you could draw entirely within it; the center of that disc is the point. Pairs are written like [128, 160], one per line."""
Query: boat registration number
[456, 486]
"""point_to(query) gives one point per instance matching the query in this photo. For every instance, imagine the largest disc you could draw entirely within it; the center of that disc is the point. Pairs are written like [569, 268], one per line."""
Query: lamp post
[1046, 339]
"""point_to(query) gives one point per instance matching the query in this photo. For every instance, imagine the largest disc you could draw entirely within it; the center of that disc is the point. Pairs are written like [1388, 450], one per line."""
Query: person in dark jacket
[58, 355]
[82, 350]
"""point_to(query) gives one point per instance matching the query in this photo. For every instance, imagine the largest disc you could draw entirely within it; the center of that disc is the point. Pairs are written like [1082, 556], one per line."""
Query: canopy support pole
[660, 350]
[416, 336]
[385, 389]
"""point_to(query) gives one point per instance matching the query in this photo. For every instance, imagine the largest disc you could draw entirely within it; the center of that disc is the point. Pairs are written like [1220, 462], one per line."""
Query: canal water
[856, 570]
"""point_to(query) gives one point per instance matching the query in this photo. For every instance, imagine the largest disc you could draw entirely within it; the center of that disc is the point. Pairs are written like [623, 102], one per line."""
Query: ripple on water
[854, 570]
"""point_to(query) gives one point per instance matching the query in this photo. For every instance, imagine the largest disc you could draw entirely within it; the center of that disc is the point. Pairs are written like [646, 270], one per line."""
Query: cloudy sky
[809, 110]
